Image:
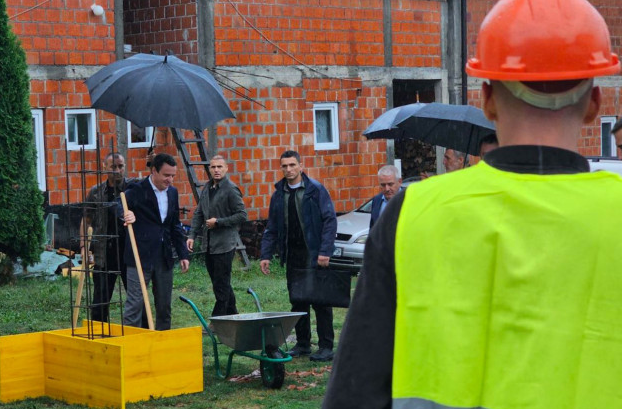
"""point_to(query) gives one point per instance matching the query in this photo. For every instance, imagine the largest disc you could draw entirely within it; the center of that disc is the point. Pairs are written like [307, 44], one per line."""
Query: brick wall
[63, 33]
[254, 141]
[161, 26]
[56, 35]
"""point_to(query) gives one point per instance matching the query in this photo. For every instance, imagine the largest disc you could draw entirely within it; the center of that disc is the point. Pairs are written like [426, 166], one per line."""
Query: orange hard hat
[543, 40]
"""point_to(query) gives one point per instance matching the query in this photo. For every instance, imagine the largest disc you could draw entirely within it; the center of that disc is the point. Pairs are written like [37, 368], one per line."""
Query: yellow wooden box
[103, 372]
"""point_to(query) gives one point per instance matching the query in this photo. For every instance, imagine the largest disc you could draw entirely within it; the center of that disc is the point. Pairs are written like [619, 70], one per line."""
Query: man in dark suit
[154, 211]
[390, 183]
[221, 210]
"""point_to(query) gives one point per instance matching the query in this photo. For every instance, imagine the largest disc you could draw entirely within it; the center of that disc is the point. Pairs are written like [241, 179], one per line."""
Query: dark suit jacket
[155, 239]
[376, 203]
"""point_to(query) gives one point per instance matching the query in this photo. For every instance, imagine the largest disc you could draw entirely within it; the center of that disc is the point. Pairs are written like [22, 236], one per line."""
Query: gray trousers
[162, 287]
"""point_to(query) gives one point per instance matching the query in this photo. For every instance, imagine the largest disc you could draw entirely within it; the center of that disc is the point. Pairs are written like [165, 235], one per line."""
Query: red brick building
[298, 76]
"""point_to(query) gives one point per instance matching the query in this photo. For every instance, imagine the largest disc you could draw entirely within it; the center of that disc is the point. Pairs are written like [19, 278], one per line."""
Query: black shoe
[322, 355]
[298, 351]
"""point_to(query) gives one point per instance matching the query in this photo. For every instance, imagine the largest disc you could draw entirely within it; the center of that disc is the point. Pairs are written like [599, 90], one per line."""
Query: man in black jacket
[108, 252]
[221, 210]
[154, 211]
[302, 226]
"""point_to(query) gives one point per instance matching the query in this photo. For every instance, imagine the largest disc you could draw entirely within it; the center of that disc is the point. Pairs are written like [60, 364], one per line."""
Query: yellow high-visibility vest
[509, 292]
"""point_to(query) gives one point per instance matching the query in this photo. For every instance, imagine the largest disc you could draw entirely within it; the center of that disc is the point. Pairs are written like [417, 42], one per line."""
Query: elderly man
[499, 286]
[221, 210]
[390, 182]
[616, 131]
[453, 160]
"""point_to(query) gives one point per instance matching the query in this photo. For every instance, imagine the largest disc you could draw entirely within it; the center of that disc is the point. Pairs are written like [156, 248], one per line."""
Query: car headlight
[361, 239]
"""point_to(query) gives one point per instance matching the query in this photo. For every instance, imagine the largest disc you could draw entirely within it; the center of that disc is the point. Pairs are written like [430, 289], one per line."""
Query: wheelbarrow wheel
[272, 374]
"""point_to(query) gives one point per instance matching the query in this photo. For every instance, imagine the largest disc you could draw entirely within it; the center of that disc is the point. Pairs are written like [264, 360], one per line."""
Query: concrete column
[207, 55]
[119, 40]
[387, 30]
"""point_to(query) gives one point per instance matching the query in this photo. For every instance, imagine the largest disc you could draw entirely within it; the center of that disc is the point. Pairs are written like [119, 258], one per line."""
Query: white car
[352, 230]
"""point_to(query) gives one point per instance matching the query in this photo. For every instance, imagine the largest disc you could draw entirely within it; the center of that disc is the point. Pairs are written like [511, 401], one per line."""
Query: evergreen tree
[21, 214]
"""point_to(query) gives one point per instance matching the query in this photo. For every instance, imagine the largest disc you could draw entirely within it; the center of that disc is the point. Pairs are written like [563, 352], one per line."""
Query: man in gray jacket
[221, 210]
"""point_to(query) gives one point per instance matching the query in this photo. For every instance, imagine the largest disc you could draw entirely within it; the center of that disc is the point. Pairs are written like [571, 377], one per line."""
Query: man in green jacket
[221, 211]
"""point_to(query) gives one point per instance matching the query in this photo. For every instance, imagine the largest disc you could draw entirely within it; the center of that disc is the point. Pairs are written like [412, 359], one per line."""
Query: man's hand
[190, 244]
[211, 223]
[322, 261]
[129, 217]
[184, 265]
[265, 266]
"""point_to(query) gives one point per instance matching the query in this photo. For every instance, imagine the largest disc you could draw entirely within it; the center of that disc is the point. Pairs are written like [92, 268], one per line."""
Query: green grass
[35, 304]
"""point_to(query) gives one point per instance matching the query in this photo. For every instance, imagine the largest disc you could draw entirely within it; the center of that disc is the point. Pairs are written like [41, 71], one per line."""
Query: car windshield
[366, 208]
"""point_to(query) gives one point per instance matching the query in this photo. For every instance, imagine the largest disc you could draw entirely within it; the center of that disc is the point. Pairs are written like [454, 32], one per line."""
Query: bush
[21, 215]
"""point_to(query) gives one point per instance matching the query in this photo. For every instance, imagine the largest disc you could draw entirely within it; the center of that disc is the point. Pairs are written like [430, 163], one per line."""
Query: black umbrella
[458, 127]
[153, 90]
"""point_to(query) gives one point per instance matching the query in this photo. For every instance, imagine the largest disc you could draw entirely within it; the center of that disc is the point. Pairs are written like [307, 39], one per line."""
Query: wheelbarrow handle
[251, 292]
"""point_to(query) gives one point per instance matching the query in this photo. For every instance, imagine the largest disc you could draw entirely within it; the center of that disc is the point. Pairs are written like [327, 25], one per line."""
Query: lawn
[36, 304]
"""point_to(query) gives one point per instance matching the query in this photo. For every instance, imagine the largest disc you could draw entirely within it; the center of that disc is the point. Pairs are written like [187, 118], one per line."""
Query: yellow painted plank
[21, 367]
[83, 371]
[169, 363]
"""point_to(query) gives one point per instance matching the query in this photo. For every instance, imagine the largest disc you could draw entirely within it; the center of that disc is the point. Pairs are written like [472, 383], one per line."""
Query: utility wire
[30, 9]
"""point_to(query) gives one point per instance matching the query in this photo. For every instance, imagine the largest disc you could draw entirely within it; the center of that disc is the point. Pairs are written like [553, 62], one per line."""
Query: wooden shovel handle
[139, 267]
[85, 263]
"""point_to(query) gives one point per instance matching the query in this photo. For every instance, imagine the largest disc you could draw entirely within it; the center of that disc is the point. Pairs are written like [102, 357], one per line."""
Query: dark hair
[114, 155]
[491, 138]
[290, 154]
[617, 126]
[162, 158]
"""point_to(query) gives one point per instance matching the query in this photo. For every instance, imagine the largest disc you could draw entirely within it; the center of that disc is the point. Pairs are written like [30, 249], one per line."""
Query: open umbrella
[458, 127]
[154, 90]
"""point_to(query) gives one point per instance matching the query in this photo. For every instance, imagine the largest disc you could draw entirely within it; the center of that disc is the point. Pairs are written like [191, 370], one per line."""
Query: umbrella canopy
[458, 127]
[154, 90]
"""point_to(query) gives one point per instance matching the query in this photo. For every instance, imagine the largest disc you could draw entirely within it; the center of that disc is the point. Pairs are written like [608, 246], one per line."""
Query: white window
[139, 137]
[80, 128]
[607, 141]
[39, 135]
[326, 126]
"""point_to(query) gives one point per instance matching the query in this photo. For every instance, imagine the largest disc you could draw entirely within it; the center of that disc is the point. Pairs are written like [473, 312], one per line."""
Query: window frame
[39, 137]
[611, 120]
[148, 133]
[333, 107]
[72, 146]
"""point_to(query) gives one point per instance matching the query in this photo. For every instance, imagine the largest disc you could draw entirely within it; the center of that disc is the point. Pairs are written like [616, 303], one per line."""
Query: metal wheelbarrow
[259, 331]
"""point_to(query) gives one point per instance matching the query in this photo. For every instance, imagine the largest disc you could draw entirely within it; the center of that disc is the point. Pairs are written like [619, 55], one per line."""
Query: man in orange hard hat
[499, 286]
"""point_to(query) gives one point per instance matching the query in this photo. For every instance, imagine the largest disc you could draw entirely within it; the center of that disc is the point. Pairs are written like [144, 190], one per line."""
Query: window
[326, 126]
[139, 137]
[607, 141]
[80, 128]
[38, 134]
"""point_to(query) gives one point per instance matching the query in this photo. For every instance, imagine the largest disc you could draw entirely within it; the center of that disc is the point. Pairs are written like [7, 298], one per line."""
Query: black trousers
[104, 282]
[297, 257]
[219, 270]
[324, 318]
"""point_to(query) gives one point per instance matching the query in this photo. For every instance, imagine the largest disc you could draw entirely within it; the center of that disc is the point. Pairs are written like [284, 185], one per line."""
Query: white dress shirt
[162, 197]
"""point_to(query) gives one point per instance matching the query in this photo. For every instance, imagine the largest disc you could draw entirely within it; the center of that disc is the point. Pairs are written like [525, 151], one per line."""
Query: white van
[610, 164]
